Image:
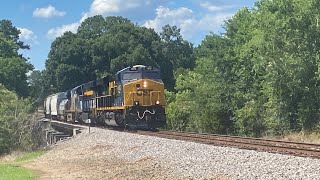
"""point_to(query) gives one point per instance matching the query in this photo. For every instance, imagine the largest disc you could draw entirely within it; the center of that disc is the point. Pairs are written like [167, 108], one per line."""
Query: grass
[13, 170]
[29, 156]
[302, 137]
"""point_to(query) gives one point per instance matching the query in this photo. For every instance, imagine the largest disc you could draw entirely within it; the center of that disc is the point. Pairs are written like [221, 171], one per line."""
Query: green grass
[29, 156]
[14, 170]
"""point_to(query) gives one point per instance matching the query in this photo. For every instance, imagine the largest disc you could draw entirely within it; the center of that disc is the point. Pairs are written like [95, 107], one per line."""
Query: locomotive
[133, 98]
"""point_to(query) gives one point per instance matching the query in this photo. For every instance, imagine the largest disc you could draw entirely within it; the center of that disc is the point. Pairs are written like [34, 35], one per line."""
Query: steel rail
[258, 144]
[267, 145]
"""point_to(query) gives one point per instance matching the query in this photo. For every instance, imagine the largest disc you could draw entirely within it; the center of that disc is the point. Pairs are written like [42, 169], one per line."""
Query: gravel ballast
[106, 154]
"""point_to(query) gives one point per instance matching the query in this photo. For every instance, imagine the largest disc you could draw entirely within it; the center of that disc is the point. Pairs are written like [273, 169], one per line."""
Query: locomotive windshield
[131, 75]
[151, 75]
[137, 72]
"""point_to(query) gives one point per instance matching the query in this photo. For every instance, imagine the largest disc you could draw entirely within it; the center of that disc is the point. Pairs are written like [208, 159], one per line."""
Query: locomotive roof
[135, 66]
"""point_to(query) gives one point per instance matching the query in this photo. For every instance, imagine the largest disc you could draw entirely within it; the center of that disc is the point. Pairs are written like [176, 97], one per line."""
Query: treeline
[103, 46]
[261, 77]
[15, 87]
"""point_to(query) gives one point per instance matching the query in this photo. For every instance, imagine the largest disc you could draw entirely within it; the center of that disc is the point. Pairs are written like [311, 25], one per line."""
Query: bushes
[15, 121]
[261, 77]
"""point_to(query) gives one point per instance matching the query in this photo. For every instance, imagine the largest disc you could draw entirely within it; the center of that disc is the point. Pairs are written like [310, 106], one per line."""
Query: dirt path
[83, 166]
[105, 154]
[104, 169]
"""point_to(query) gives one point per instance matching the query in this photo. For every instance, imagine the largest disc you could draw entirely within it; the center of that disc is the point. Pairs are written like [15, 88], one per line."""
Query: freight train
[133, 99]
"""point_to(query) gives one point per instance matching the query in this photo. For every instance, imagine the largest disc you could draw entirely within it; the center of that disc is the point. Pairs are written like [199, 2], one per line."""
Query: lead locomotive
[133, 98]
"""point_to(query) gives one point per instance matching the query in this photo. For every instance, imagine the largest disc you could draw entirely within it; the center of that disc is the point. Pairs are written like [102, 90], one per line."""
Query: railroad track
[258, 144]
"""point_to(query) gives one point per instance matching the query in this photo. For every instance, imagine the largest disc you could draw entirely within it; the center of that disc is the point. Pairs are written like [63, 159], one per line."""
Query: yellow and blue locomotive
[133, 98]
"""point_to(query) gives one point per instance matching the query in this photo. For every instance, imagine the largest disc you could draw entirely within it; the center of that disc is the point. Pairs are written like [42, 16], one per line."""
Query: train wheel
[119, 118]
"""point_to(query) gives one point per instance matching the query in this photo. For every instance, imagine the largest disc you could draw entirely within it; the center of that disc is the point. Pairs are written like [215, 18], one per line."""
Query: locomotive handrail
[103, 96]
[103, 101]
[88, 104]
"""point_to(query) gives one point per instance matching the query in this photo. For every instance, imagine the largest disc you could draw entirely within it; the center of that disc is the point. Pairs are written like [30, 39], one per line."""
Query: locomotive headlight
[136, 103]
[157, 102]
[145, 84]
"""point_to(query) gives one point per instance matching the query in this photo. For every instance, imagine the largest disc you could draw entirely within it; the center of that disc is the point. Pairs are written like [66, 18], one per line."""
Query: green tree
[36, 85]
[12, 33]
[177, 50]
[13, 66]
[13, 74]
[260, 77]
[103, 46]
[275, 65]
[15, 122]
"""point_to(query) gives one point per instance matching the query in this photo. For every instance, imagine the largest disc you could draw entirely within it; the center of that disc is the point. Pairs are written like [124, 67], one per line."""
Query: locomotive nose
[144, 92]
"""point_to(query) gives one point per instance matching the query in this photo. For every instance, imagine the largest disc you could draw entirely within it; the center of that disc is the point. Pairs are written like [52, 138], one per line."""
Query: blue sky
[42, 21]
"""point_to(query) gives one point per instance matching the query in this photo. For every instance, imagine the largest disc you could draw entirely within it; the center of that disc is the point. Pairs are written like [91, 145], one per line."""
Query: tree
[103, 46]
[12, 33]
[177, 50]
[211, 87]
[260, 77]
[7, 47]
[36, 85]
[13, 74]
[92, 27]
[15, 122]
[13, 66]
[72, 52]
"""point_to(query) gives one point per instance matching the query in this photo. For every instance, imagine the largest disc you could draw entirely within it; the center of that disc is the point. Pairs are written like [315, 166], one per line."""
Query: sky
[40, 22]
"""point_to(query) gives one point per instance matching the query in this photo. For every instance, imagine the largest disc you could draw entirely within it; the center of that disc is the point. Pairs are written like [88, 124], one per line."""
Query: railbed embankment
[118, 155]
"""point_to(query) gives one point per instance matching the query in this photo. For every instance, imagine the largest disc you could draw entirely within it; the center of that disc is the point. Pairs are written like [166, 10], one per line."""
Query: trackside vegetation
[261, 77]
[29, 156]
[15, 171]
[16, 90]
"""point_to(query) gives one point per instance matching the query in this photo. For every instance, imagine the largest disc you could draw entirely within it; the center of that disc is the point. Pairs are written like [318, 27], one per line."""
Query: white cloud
[211, 7]
[185, 19]
[213, 21]
[58, 31]
[182, 17]
[47, 12]
[28, 35]
[104, 7]
[98, 7]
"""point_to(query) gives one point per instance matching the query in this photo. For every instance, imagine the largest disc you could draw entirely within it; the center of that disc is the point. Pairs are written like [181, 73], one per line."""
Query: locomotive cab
[143, 96]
